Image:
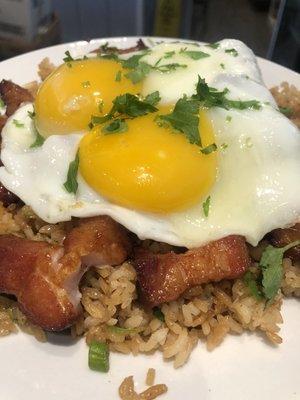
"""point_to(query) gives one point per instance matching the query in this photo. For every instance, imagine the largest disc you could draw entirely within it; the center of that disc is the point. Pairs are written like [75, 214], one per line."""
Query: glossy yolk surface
[75, 91]
[148, 167]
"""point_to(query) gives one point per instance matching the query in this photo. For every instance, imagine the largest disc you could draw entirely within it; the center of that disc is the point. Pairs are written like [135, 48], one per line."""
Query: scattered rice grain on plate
[150, 377]
[127, 392]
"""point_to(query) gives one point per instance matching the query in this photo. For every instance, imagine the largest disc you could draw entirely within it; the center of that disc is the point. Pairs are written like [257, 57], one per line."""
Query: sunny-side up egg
[75, 91]
[152, 180]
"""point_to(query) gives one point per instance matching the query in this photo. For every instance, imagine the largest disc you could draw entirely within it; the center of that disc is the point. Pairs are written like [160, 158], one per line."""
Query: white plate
[243, 367]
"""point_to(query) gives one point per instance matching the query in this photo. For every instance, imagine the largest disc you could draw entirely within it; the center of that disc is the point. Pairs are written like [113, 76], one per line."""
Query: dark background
[270, 27]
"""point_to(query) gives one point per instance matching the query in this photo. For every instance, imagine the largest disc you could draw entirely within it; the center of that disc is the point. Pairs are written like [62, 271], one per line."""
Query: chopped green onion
[158, 314]
[99, 356]
[71, 184]
[121, 331]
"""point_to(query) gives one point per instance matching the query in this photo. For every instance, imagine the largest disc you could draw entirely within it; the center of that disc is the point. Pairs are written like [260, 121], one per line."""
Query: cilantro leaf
[209, 149]
[211, 97]
[127, 105]
[139, 73]
[39, 140]
[206, 206]
[86, 84]
[287, 111]
[118, 76]
[71, 184]
[184, 118]
[68, 58]
[2, 104]
[213, 45]
[107, 49]
[18, 124]
[132, 106]
[169, 67]
[169, 54]
[152, 98]
[158, 314]
[110, 56]
[31, 114]
[116, 126]
[271, 266]
[195, 55]
[250, 282]
[242, 105]
[96, 119]
[133, 61]
[232, 52]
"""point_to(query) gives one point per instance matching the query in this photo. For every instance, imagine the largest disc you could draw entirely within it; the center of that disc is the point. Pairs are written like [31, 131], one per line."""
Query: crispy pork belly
[13, 96]
[99, 240]
[45, 278]
[282, 237]
[164, 277]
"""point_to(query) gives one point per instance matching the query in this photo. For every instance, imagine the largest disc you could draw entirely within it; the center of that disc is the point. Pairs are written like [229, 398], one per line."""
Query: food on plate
[45, 278]
[162, 179]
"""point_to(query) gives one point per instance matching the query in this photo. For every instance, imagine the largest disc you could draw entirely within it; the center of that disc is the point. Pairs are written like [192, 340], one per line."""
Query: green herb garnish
[152, 98]
[271, 266]
[287, 111]
[71, 184]
[139, 73]
[18, 124]
[250, 281]
[228, 118]
[158, 314]
[115, 126]
[209, 149]
[131, 105]
[126, 106]
[224, 146]
[169, 54]
[121, 331]
[68, 58]
[211, 97]
[222, 65]
[133, 61]
[2, 104]
[206, 206]
[99, 356]
[118, 76]
[39, 140]
[184, 118]
[213, 45]
[169, 67]
[86, 84]
[31, 114]
[195, 55]
[268, 282]
[232, 52]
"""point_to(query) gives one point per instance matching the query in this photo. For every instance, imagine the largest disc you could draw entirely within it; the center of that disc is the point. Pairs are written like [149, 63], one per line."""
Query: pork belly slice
[13, 96]
[99, 240]
[282, 237]
[45, 278]
[164, 277]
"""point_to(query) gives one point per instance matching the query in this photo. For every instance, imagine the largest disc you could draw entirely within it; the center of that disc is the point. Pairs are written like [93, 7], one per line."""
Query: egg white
[258, 161]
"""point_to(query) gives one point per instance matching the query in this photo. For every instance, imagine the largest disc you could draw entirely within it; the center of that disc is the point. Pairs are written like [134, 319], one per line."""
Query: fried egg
[148, 178]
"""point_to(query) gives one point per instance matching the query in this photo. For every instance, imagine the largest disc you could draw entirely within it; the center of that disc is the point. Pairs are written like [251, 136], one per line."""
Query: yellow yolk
[77, 90]
[148, 167]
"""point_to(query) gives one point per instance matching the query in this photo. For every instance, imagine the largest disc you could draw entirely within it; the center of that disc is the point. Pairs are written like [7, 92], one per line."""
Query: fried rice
[113, 314]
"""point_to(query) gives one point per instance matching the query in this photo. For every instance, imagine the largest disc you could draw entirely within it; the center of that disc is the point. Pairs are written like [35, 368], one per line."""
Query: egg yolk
[148, 167]
[75, 91]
